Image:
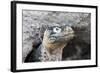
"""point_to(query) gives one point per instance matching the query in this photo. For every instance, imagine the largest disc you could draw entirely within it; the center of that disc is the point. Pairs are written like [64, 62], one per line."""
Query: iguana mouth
[52, 38]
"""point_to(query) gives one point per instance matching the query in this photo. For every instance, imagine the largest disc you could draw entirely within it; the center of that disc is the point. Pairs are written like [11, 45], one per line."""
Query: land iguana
[55, 38]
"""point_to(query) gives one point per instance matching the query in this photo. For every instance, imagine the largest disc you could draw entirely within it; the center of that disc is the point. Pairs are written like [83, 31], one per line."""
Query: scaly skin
[54, 40]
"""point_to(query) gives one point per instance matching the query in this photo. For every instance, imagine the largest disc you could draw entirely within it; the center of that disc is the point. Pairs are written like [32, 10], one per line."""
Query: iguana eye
[57, 30]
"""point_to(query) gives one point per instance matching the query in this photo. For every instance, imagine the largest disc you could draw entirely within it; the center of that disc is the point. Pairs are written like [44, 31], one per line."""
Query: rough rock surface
[34, 20]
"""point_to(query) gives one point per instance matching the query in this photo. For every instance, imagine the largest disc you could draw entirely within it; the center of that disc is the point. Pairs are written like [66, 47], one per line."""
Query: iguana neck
[48, 55]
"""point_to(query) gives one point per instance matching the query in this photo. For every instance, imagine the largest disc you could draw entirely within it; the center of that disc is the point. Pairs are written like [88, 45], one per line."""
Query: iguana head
[57, 36]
